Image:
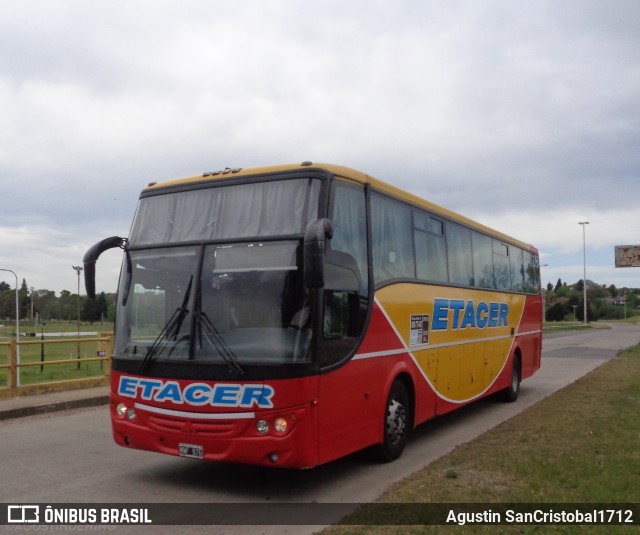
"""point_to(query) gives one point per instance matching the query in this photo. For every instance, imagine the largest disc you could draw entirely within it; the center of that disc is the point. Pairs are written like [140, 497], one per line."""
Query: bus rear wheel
[510, 394]
[396, 423]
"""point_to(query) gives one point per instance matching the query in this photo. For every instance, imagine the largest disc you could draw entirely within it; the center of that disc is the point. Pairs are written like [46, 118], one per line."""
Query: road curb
[31, 410]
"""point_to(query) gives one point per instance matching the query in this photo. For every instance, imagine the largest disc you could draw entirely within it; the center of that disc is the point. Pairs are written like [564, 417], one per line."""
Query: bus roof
[349, 174]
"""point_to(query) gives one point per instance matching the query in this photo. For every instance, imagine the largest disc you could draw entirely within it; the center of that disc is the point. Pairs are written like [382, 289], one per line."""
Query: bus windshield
[246, 306]
[234, 297]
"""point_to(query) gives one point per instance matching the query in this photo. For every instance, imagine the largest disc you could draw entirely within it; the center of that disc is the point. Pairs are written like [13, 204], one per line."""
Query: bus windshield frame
[212, 281]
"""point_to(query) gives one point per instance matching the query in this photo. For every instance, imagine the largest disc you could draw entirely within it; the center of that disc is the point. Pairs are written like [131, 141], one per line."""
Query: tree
[580, 312]
[89, 310]
[24, 300]
[556, 312]
[564, 291]
[45, 304]
[67, 305]
[102, 307]
[7, 303]
[558, 285]
[4, 286]
[95, 309]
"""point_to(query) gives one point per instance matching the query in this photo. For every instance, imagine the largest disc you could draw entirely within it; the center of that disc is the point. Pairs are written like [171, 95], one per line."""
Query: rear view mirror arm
[91, 256]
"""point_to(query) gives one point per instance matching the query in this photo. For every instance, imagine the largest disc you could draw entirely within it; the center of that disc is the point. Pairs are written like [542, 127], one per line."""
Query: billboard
[627, 256]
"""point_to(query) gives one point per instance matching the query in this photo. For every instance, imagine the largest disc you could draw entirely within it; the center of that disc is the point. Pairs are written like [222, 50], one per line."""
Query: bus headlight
[131, 414]
[262, 426]
[280, 425]
[121, 410]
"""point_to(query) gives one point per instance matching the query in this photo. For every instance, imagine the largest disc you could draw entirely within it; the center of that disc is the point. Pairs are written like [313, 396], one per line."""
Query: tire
[396, 424]
[510, 394]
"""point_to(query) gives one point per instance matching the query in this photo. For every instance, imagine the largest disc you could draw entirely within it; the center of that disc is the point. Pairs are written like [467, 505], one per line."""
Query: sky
[524, 115]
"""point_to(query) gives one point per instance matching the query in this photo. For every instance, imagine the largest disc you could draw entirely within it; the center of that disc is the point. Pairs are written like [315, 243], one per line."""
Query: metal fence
[37, 366]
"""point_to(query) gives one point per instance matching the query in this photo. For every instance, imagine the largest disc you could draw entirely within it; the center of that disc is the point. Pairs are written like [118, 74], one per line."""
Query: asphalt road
[70, 456]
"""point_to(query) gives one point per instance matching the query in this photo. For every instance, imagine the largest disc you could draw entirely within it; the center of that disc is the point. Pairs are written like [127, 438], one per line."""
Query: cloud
[45, 257]
[524, 115]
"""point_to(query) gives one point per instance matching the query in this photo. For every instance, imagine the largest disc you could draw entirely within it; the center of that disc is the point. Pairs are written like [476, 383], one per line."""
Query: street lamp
[544, 296]
[17, 322]
[584, 267]
[78, 270]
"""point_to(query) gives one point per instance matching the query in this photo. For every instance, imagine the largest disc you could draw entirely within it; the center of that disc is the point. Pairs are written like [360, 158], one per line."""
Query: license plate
[191, 450]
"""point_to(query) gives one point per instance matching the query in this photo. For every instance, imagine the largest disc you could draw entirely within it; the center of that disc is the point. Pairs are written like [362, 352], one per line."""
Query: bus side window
[459, 254]
[501, 268]
[517, 269]
[349, 242]
[341, 314]
[482, 261]
[532, 272]
[346, 289]
[431, 254]
[392, 247]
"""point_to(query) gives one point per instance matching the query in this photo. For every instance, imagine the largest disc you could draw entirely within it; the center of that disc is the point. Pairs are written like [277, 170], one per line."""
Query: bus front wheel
[396, 423]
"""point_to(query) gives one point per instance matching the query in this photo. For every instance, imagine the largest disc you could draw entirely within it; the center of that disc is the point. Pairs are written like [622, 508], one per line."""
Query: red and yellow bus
[290, 315]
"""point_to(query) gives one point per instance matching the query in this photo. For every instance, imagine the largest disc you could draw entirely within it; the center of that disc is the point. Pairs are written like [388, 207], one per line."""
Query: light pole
[584, 267]
[17, 323]
[78, 271]
[544, 296]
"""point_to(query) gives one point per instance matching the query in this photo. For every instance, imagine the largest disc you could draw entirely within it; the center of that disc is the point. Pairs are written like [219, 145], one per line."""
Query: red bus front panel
[272, 423]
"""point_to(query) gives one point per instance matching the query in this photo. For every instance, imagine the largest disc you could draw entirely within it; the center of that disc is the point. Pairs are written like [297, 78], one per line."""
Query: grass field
[580, 445]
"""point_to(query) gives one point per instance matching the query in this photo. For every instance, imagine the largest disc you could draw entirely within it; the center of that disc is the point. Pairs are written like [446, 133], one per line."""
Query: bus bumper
[279, 438]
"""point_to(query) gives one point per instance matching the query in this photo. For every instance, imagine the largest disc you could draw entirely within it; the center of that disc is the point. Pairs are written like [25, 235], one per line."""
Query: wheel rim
[396, 421]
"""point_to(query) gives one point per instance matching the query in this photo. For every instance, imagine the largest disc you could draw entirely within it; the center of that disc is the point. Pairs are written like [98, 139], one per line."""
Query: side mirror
[315, 240]
[92, 255]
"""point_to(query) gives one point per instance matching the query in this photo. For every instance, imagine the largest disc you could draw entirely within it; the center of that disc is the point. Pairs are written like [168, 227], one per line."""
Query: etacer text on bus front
[196, 394]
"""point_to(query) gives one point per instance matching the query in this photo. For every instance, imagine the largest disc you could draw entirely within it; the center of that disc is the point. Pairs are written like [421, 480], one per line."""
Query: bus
[290, 315]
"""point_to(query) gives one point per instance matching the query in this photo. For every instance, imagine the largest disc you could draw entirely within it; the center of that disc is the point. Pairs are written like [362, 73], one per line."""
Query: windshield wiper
[169, 332]
[213, 336]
